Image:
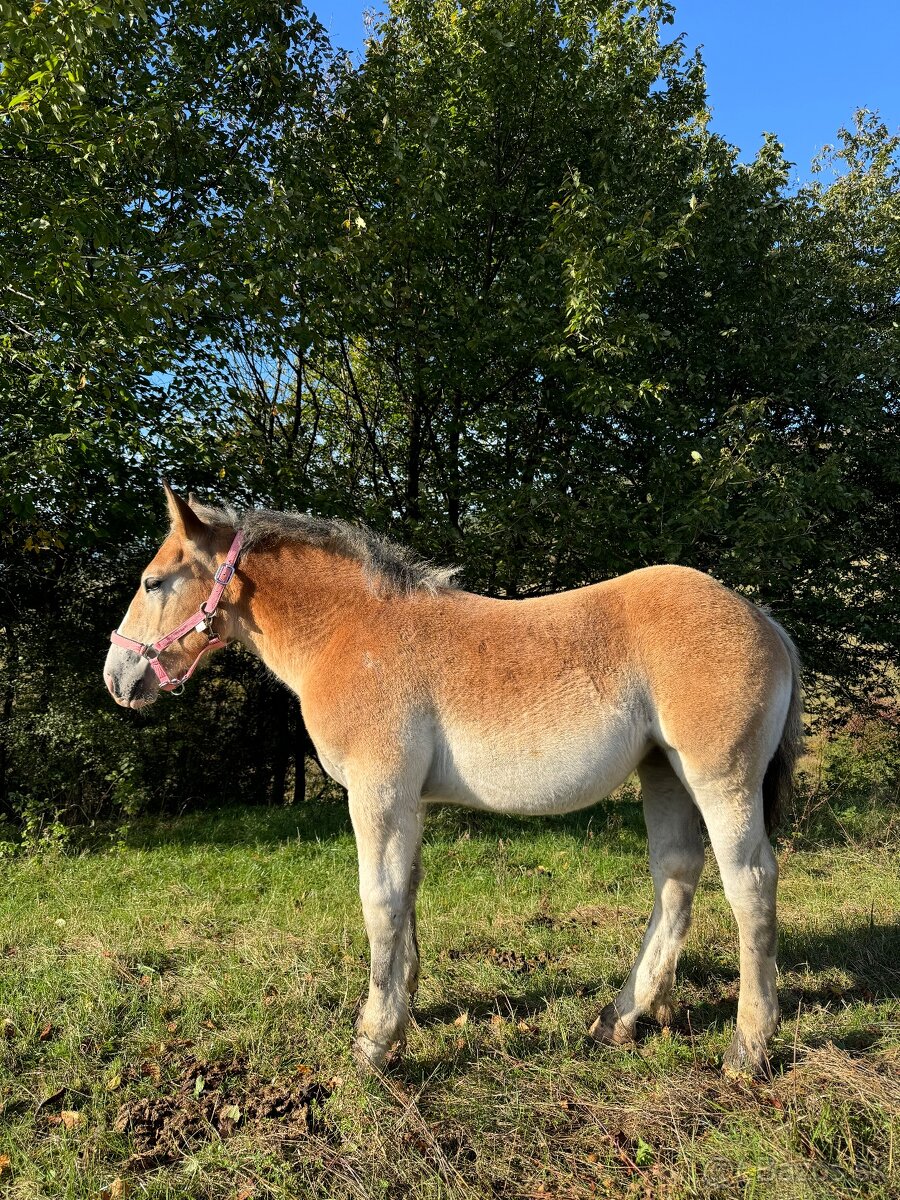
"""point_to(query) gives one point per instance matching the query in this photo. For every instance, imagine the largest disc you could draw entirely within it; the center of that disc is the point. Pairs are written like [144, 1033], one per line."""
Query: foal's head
[175, 584]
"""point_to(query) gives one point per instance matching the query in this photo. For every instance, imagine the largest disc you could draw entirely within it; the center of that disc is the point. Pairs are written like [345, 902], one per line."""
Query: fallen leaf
[5, 1164]
[119, 1189]
[462, 1019]
[45, 1033]
[70, 1118]
[113, 1082]
[244, 1194]
[152, 1070]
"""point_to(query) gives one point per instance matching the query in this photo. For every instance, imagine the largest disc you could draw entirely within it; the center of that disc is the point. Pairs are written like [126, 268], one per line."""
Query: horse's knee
[750, 886]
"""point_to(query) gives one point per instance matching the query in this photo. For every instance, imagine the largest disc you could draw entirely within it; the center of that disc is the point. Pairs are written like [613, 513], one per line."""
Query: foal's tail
[778, 781]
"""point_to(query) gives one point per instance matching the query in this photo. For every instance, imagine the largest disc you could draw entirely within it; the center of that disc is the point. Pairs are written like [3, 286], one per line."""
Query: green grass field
[176, 1011]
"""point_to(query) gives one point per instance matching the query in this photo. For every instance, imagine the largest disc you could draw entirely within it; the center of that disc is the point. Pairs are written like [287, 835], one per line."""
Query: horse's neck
[295, 599]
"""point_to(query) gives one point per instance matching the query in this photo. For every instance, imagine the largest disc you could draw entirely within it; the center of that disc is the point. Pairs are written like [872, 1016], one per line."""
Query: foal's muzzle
[129, 679]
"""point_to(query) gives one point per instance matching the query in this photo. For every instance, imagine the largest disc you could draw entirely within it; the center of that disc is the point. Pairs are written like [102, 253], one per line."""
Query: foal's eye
[152, 585]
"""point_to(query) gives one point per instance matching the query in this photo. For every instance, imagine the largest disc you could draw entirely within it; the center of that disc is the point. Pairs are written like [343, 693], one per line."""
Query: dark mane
[395, 567]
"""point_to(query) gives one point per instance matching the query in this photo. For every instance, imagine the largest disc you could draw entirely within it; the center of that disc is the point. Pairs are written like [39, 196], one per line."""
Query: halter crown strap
[201, 621]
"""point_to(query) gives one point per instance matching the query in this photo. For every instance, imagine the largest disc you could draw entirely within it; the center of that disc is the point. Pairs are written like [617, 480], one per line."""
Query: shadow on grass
[323, 820]
[613, 820]
[866, 956]
[868, 953]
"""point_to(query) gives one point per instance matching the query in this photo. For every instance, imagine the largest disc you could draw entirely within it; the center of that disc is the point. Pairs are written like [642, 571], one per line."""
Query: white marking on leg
[388, 829]
[750, 881]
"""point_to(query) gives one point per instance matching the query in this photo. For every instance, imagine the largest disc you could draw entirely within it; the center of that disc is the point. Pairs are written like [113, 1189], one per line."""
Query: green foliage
[495, 288]
[851, 791]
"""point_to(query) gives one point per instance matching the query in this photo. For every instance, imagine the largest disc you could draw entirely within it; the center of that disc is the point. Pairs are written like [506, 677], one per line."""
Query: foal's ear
[184, 520]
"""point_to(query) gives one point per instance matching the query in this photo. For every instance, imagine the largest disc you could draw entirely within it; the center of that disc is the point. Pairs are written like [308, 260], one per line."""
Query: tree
[558, 350]
[134, 199]
[495, 289]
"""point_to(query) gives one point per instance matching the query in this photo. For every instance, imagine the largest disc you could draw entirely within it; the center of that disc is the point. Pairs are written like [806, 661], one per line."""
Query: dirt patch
[520, 964]
[216, 1098]
[509, 960]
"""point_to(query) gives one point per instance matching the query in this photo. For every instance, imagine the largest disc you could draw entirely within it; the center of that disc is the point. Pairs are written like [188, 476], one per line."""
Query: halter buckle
[205, 626]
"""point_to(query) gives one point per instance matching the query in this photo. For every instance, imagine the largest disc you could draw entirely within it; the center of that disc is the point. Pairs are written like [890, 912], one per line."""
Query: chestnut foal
[415, 692]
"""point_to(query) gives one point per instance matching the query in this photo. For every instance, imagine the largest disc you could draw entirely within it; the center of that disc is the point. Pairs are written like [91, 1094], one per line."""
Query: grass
[212, 965]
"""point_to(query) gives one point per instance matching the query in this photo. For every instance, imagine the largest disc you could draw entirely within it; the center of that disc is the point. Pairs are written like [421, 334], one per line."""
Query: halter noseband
[201, 621]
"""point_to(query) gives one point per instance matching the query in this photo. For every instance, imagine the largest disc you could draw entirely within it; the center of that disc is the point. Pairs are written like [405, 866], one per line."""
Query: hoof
[609, 1029]
[747, 1058]
[369, 1055]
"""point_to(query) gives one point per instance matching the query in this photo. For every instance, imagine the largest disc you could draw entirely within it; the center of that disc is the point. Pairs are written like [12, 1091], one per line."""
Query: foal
[414, 692]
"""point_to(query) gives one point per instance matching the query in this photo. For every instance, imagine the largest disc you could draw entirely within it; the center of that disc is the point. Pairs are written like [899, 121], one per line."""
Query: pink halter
[201, 621]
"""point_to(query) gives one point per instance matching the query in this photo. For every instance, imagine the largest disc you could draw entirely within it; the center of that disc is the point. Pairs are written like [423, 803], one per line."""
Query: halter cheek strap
[199, 621]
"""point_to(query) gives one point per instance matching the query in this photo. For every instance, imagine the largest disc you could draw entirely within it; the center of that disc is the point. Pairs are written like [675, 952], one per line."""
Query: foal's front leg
[388, 827]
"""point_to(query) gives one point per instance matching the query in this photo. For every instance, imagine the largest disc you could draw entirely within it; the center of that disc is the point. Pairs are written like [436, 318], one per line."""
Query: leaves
[119, 1189]
[68, 1118]
[405, 290]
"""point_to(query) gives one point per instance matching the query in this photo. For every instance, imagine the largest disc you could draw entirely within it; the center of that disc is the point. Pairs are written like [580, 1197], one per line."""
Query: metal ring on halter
[178, 689]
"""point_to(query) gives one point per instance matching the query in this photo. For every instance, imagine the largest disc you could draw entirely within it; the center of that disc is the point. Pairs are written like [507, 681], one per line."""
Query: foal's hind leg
[676, 860]
[388, 828]
[734, 819]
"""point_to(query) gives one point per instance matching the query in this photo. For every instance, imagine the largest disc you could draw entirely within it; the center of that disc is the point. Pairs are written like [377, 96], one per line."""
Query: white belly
[551, 771]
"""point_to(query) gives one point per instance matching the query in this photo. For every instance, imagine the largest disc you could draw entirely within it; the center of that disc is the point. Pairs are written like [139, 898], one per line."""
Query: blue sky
[797, 68]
